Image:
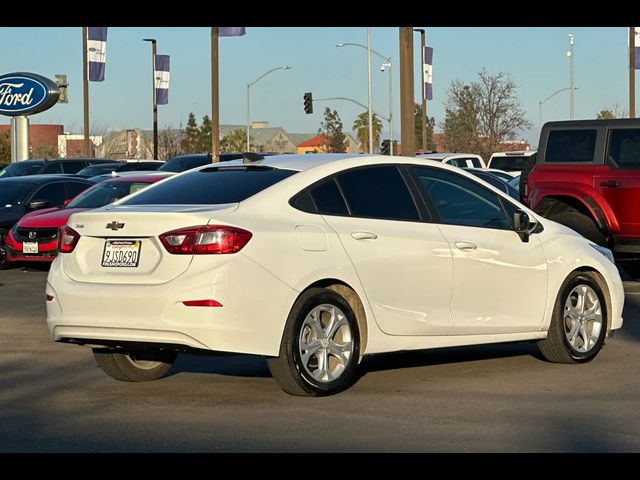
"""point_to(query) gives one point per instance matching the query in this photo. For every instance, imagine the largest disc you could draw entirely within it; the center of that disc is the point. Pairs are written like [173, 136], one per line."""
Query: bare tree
[170, 142]
[482, 115]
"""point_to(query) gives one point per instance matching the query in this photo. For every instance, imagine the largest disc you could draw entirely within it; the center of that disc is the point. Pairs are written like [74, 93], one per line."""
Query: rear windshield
[509, 163]
[215, 185]
[105, 193]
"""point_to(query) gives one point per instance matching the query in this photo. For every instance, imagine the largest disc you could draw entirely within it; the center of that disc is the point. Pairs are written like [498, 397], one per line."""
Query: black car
[44, 166]
[493, 179]
[20, 195]
[187, 162]
[102, 168]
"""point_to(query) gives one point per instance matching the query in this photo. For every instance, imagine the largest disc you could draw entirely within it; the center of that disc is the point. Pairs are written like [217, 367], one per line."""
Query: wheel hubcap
[582, 318]
[325, 343]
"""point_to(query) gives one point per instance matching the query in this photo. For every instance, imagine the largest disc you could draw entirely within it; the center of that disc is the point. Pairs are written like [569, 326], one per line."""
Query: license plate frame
[118, 253]
[30, 247]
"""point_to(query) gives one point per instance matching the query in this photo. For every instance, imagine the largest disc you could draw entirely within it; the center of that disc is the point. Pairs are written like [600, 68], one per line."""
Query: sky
[535, 58]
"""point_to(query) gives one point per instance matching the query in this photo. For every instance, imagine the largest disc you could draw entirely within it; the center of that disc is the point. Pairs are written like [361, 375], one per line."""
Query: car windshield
[105, 193]
[93, 170]
[20, 169]
[12, 193]
[211, 186]
[508, 163]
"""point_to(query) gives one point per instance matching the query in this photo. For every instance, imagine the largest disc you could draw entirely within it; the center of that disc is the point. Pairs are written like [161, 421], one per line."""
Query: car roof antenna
[250, 157]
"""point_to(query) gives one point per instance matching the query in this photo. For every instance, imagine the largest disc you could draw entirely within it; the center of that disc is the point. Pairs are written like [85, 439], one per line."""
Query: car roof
[514, 153]
[44, 178]
[148, 178]
[446, 155]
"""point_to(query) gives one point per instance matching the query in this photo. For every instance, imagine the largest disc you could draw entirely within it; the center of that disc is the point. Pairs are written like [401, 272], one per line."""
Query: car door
[618, 180]
[403, 262]
[499, 281]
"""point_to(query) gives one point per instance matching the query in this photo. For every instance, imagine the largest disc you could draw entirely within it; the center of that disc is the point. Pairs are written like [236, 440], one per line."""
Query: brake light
[67, 239]
[205, 239]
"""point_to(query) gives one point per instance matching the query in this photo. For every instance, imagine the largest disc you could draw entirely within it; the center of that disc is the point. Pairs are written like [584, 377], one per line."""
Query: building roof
[298, 138]
[317, 141]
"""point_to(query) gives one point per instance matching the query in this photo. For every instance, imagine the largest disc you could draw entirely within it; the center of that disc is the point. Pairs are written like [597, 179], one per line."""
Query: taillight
[67, 239]
[205, 239]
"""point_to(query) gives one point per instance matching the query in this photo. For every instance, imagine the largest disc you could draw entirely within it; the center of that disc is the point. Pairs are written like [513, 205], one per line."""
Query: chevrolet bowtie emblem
[115, 225]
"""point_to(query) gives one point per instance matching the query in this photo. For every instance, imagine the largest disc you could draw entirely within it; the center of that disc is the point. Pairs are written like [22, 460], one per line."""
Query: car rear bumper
[255, 306]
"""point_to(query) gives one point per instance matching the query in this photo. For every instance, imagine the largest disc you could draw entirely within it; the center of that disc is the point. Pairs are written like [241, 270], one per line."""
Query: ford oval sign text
[24, 93]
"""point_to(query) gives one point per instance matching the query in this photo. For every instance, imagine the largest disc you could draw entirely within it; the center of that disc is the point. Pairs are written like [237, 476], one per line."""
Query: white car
[462, 160]
[316, 261]
[510, 162]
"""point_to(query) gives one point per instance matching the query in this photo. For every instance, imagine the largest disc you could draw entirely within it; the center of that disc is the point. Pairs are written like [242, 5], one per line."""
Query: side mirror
[67, 202]
[523, 225]
[38, 204]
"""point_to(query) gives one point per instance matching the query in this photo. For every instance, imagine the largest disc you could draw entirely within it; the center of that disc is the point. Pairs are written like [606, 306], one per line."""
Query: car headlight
[604, 251]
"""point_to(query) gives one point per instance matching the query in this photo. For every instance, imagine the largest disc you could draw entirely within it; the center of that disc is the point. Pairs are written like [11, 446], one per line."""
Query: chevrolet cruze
[314, 261]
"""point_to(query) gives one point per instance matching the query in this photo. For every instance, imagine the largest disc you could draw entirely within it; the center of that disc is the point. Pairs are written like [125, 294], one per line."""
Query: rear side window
[378, 192]
[52, 168]
[214, 185]
[328, 198]
[624, 148]
[72, 167]
[570, 146]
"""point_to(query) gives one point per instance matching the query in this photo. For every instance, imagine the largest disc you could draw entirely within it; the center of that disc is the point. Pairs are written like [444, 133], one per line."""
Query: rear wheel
[141, 366]
[320, 346]
[579, 324]
[582, 224]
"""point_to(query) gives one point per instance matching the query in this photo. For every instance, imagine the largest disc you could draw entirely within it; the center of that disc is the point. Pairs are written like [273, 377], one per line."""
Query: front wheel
[320, 346]
[579, 323]
[4, 263]
[142, 366]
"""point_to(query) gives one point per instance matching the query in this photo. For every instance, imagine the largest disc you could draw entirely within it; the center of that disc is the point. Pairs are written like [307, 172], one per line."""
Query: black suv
[44, 166]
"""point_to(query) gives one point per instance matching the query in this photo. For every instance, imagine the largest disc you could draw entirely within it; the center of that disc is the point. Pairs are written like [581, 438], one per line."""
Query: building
[47, 140]
[318, 144]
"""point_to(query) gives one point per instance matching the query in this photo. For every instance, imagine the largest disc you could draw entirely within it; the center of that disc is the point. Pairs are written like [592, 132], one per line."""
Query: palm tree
[361, 126]
[235, 141]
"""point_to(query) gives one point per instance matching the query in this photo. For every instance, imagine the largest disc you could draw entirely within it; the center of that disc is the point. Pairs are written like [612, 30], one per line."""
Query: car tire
[134, 367]
[320, 346]
[4, 263]
[579, 323]
[582, 224]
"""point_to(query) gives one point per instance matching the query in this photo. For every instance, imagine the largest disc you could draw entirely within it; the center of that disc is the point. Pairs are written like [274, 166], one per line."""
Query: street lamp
[382, 68]
[570, 55]
[423, 43]
[153, 92]
[249, 85]
[551, 96]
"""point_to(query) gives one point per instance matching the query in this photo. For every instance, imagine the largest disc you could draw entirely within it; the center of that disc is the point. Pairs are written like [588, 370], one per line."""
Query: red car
[35, 236]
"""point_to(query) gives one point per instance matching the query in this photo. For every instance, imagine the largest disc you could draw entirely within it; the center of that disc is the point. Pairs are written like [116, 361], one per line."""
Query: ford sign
[24, 93]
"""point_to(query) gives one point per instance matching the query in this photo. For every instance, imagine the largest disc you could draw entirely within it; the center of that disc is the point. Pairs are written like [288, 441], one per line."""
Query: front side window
[624, 148]
[570, 146]
[460, 201]
[54, 193]
[378, 192]
[74, 188]
[211, 186]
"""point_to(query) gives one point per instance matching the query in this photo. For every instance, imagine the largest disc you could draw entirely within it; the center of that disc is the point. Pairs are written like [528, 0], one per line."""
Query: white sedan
[317, 260]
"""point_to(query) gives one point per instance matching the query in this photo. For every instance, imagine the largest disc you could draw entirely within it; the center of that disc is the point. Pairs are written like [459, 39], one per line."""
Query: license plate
[121, 253]
[30, 247]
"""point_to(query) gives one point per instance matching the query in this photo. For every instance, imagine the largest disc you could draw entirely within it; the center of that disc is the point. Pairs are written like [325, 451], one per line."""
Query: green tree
[332, 128]
[204, 135]
[605, 115]
[190, 142]
[5, 147]
[361, 127]
[235, 141]
[480, 116]
[431, 122]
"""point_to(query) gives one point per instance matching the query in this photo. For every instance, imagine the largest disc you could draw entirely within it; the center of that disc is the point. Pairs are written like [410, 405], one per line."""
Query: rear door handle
[610, 183]
[364, 235]
[465, 246]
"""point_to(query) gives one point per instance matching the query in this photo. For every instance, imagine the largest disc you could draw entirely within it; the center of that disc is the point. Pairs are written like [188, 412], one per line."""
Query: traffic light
[385, 147]
[308, 103]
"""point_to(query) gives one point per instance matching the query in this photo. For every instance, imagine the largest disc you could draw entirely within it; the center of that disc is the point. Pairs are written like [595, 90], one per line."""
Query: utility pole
[369, 90]
[423, 43]
[215, 104]
[632, 72]
[407, 123]
[85, 92]
[571, 91]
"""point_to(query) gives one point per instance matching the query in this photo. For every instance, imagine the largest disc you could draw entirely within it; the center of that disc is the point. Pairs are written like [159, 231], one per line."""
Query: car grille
[41, 235]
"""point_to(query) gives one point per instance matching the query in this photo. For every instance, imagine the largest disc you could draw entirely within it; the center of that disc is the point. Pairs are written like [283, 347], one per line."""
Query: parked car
[109, 176]
[187, 162]
[44, 166]
[469, 160]
[492, 179]
[515, 183]
[122, 166]
[20, 195]
[3, 165]
[35, 236]
[511, 162]
[315, 262]
[587, 177]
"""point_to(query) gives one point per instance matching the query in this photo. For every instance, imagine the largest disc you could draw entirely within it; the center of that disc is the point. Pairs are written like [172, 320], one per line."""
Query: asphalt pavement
[497, 398]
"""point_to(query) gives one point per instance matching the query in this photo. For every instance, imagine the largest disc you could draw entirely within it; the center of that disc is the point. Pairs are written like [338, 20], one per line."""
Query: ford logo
[24, 93]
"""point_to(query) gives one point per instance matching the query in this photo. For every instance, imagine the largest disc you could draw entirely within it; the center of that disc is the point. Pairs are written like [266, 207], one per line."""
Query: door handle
[364, 235]
[610, 183]
[465, 246]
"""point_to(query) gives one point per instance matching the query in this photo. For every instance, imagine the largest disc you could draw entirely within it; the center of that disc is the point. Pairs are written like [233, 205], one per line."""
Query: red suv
[587, 177]
[35, 236]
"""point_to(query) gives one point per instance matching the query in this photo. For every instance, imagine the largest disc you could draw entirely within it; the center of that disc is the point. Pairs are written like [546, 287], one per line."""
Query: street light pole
[570, 55]
[385, 65]
[249, 85]
[153, 92]
[423, 43]
[551, 96]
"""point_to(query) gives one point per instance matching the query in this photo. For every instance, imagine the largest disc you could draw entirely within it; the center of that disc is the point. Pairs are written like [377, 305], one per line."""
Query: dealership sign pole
[23, 94]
